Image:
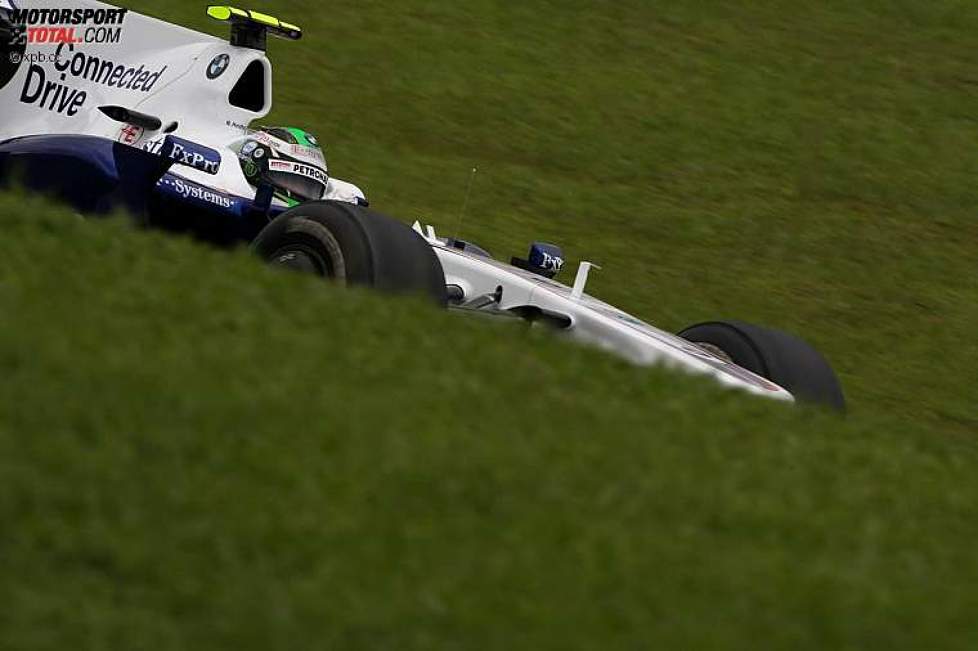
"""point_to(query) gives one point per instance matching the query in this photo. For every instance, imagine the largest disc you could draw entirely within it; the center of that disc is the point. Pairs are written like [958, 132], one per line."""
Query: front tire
[778, 356]
[353, 246]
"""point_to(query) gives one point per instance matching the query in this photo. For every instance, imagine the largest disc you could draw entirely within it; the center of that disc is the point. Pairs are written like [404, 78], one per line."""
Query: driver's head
[289, 159]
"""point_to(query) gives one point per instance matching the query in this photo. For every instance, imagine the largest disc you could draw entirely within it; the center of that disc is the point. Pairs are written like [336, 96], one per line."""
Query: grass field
[197, 452]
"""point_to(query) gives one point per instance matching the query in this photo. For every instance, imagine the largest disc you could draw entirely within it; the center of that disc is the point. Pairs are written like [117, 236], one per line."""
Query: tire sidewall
[377, 251]
[778, 356]
[310, 237]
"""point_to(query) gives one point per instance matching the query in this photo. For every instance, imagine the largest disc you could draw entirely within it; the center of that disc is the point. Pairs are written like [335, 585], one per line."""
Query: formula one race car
[108, 109]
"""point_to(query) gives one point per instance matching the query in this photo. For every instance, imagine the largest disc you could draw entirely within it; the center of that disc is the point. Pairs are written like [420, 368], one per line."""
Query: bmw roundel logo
[217, 66]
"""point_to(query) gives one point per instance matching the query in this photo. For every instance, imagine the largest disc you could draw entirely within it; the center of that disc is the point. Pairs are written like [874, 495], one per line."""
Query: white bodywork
[590, 320]
[184, 93]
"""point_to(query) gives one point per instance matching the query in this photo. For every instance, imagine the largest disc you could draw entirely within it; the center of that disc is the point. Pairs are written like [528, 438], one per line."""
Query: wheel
[354, 246]
[778, 356]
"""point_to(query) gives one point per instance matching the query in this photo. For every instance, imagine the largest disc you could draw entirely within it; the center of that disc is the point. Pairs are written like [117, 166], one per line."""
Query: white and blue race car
[108, 109]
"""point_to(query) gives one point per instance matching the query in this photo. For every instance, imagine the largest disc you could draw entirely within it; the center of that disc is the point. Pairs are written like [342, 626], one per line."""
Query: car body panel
[98, 163]
[590, 320]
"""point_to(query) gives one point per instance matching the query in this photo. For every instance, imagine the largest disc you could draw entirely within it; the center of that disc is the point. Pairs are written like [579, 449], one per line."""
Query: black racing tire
[778, 356]
[354, 246]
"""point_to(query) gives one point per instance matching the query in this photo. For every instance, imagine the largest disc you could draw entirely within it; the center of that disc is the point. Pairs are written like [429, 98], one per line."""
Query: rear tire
[778, 356]
[354, 246]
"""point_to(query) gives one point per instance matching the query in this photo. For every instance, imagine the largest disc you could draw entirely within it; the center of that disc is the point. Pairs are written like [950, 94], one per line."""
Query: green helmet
[289, 159]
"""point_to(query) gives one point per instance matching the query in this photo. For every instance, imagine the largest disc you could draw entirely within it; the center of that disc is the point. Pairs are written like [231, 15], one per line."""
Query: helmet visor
[297, 180]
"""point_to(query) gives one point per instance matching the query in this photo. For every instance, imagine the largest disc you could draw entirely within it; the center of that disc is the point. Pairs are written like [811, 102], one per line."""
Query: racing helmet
[287, 158]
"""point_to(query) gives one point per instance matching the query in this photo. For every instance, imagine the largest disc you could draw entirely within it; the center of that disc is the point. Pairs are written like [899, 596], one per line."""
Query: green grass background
[196, 452]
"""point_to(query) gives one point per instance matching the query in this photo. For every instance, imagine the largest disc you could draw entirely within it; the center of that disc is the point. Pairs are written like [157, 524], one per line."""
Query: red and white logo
[130, 134]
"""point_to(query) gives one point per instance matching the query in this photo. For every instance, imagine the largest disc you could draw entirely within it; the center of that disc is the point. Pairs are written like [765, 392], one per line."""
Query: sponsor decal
[250, 169]
[130, 134]
[191, 154]
[550, 262]
[301, 151]
[191, 191]
[546, 257]
[217, 66]
[57, 95]
[263, 137]
[302, 169]
[248, 147]
[297, 151]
